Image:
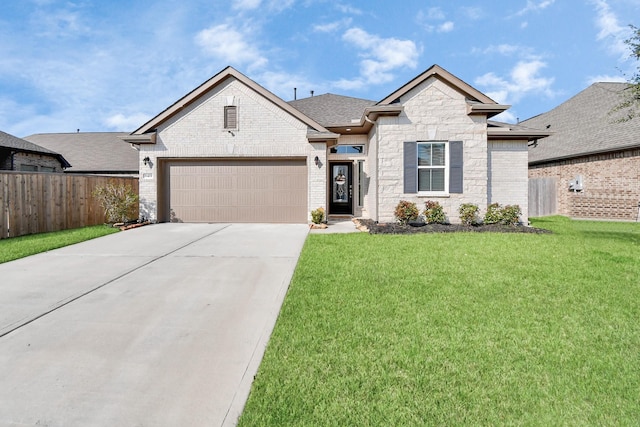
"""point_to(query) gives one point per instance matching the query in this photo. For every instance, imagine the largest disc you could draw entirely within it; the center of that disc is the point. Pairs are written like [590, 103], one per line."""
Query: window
[432, 174]
[28, 168]
[347, 149]
[47, 169]
[433, 167]
[231, 117]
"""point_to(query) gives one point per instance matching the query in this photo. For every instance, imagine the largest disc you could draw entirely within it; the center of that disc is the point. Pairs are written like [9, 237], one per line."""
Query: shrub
[118, 202]
[317, 215]
[493, 214]
[434, 213]
[406, 211]
[511, 214]
[468, 213]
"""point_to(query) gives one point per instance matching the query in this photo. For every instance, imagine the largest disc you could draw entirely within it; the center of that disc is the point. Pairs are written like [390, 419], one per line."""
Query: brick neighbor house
[16, 154]
[231, 151]
[591, 161]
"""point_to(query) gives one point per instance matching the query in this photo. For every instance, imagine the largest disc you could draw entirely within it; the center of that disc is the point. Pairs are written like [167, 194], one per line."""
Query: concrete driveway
[163, 325]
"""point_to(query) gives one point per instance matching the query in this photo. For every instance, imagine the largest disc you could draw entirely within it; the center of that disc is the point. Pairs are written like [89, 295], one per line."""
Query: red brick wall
[611, 185]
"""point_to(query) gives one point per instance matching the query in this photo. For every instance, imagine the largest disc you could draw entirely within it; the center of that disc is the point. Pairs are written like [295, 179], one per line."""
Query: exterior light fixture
[146, 161]
[317, 161]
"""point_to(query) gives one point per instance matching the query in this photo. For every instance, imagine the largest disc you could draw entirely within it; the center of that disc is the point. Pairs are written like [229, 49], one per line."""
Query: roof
[332, 110]
[91, 152]
[228, 72]
[584, 125]
[19, 144]
[500, 130]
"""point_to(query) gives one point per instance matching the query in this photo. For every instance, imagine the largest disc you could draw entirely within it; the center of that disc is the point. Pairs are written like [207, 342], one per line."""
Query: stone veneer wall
[264, 130]
[508, 180]
[611, 185]
[432, 111]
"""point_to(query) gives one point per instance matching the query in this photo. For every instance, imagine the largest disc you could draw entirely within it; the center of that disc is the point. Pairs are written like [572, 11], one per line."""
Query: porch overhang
[329, 138]
[364, 125]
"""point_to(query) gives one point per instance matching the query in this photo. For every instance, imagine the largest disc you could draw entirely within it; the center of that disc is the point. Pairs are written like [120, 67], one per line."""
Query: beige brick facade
[611, 185]
[31, 162]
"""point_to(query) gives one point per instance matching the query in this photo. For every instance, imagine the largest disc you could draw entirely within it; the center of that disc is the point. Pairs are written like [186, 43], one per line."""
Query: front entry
[341, 193]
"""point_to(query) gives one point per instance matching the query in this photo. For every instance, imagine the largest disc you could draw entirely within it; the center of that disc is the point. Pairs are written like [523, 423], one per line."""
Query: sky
[99, 65]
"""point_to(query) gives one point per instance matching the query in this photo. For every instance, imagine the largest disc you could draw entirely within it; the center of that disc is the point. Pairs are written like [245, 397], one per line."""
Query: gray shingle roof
[332, 110]
[19, 144]
[91, 152]
[584, 125]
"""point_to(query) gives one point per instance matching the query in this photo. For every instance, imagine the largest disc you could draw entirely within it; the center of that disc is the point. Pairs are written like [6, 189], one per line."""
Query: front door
[341, 202]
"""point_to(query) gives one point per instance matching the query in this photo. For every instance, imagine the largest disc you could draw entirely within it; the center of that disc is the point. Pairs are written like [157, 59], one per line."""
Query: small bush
[317, 216]
[496, 214]
[406, 211]
[118, 202]
[434, 213]
[493, 214]
[511, 214]
[468, 213]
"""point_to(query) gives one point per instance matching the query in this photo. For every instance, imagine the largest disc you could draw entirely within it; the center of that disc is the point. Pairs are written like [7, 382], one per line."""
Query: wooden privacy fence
[543, 199]
[41, 202]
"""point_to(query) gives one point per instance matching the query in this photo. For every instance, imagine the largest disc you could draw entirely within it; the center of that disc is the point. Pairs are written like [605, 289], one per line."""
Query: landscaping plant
[493, 214]
[406, 212]
[434, 213]
[118, 202]
[317, 215]
[468, 213]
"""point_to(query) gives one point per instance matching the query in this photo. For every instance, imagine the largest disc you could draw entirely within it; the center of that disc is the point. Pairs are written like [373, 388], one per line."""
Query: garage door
[261, 190]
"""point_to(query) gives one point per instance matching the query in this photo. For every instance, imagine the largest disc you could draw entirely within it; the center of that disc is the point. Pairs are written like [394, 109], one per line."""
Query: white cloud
[345, 8]
[246, 4]
[434, 14]
[381, 56]
[128, 123]
[331, 27]
[523, 80]
[473, 13]
[230, 45]
[282, 84]
[605, 78]
[533, 6]
[445, 27]
[610, 30]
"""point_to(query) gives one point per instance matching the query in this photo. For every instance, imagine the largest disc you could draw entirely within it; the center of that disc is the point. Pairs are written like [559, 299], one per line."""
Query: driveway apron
[163, 325]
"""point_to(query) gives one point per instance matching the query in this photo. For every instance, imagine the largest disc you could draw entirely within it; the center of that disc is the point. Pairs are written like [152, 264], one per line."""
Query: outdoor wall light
[146, 161]
[317, 161]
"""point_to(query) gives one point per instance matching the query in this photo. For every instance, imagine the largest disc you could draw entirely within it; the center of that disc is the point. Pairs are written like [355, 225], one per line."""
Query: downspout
[375, 128]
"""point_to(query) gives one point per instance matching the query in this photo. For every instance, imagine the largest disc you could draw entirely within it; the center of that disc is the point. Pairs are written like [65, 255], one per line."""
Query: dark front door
[341, 189]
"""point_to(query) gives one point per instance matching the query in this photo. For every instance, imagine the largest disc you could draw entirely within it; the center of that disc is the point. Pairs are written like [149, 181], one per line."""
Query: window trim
[445, 167]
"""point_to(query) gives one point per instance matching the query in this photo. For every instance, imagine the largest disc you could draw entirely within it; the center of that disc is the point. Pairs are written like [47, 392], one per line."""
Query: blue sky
[111, 65]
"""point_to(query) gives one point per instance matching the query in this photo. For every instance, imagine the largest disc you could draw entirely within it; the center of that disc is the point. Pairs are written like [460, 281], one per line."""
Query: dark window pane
[424, 179]
[424, 154]
[437, 179]
[437, 152]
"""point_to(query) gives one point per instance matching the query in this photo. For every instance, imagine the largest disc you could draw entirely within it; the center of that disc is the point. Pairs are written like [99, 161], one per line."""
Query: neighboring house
[95, 153]
[16, 154]
[231, 151]
[593, 160]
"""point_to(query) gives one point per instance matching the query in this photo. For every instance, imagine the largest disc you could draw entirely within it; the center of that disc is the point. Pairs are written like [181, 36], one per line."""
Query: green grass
[458, 329]
[23, 246]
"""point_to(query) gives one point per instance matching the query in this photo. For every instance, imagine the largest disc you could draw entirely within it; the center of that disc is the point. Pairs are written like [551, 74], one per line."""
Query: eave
[145, 138]
[529, 135]
[489, 109]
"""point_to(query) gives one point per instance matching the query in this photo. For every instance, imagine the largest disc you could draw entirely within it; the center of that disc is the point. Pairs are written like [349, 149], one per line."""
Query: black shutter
[410, 167]
[455, 166]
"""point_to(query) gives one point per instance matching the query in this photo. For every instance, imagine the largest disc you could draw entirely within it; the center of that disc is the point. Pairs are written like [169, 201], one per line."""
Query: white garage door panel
[260, 190]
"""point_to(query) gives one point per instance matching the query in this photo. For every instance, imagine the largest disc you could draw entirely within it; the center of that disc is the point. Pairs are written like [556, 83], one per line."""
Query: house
[591, 160]
[94, 153]
[231, 151]
[16, 154]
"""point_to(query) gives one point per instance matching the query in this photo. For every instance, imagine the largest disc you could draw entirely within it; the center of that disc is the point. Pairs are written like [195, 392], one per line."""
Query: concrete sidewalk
[162, 325]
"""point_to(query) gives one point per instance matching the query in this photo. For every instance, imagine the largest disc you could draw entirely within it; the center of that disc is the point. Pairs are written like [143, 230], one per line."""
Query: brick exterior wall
[432, 111]
[21, 159]
[611, 185]
[264, 130]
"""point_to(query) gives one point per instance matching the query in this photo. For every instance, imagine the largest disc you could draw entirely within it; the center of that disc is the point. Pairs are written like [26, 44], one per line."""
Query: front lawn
[23, 246]
[458, 329]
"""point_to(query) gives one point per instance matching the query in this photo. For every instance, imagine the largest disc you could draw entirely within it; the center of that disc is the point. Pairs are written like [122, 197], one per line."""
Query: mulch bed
[390, 228]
